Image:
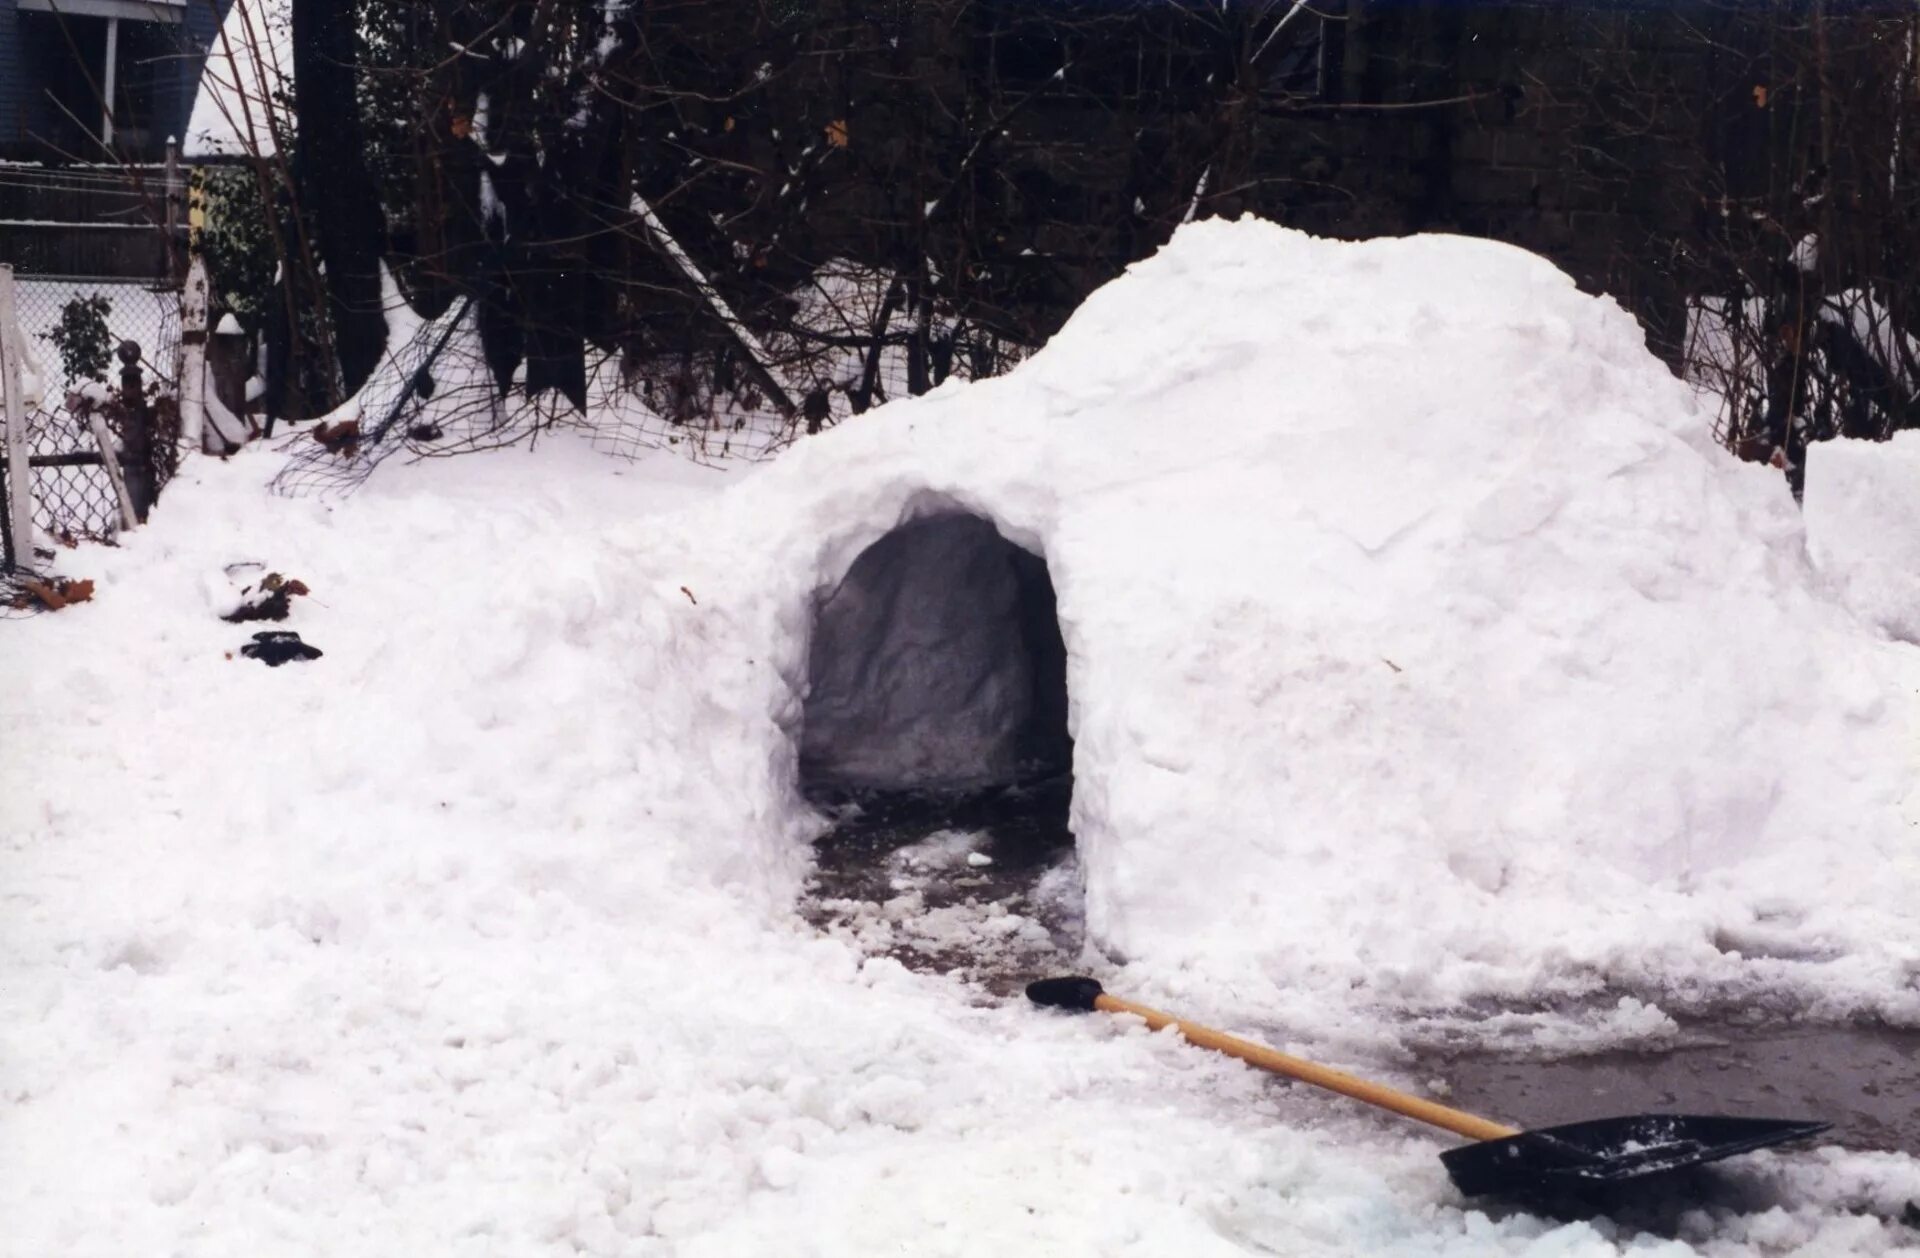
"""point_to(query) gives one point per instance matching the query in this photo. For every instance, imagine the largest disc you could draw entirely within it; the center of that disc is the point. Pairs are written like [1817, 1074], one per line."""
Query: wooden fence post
[193, 355]
[19, 472]
[110, 459]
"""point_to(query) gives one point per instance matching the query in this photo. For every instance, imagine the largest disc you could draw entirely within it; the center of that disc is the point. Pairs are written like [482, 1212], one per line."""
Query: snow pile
[1416, 654]
[1420, 648]
[1863, 526]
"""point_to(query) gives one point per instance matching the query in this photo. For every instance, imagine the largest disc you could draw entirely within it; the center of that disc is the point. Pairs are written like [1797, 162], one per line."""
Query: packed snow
[1424, 656]
[1863, 527]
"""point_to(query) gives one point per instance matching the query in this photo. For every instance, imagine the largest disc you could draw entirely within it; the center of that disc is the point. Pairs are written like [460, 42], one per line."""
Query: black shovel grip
[1077, 994]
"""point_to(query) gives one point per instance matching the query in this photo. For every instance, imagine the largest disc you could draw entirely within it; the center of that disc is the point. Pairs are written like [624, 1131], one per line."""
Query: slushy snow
[1424, 656]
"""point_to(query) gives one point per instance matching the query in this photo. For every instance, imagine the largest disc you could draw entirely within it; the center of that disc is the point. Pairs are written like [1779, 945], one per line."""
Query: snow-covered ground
[1424, 657]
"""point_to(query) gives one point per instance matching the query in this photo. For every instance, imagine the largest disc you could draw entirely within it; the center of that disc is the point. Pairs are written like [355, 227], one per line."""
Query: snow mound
[1417, 655]
[1421, 649]
[1863, 526]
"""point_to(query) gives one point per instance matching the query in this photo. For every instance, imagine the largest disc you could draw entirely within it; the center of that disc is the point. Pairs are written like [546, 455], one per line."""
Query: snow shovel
[1575, 1159]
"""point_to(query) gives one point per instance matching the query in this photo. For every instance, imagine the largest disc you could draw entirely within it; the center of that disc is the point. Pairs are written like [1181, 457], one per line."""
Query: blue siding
[202, 22]
[10, 102]
[21, 102]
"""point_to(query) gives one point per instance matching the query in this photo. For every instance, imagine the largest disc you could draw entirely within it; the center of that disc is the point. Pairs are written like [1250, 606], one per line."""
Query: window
[146, 86]
[62, 60]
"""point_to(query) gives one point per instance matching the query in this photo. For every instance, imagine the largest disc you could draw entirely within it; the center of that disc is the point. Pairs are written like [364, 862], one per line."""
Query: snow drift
[1420, 646]
[1863, 527]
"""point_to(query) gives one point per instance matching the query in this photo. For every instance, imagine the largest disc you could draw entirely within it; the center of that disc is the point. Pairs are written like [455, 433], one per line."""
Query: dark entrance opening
[937, 665]
[934, 734]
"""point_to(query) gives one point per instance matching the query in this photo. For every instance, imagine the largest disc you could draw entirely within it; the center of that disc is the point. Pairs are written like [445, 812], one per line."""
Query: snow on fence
[59, 488]
[140, 311]
[846, 318]
[435, 394]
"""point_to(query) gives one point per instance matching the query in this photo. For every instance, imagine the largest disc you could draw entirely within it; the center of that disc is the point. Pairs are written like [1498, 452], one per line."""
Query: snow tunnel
[936, 665]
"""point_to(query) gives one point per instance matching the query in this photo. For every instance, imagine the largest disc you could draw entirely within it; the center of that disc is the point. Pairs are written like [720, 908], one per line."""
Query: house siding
[25, 113]
[10, 101]
[57, 223]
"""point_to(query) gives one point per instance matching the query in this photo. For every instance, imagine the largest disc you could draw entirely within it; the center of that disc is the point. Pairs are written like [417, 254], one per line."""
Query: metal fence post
[19, 473]
[175, 271]
[136, 432]
[6, 528]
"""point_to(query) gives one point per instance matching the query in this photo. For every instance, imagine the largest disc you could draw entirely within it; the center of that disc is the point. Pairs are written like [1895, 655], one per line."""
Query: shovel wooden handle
[1460, 1123]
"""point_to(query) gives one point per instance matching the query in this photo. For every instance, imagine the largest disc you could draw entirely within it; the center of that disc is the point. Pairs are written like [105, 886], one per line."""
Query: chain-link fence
[143, 312]
[435, 393]
[67, 330]
[844, 328]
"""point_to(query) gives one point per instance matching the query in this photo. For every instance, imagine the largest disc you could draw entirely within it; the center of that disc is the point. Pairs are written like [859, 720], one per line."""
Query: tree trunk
[336, 191]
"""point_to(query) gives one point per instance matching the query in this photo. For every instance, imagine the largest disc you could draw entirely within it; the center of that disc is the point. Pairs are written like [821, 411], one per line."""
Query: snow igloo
[1414, 639]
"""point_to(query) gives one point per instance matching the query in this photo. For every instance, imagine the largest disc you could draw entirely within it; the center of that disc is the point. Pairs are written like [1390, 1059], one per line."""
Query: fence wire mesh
[73, 498]
[435, 394]
[140, 311]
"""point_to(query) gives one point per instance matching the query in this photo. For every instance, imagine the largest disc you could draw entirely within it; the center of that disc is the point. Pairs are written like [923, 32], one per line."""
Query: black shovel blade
[1607, 1151]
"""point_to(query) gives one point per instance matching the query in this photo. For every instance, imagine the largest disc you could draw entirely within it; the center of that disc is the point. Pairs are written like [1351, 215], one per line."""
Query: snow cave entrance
[934, 736]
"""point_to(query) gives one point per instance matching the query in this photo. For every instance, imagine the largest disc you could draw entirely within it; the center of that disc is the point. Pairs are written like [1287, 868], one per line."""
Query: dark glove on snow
[276, 646]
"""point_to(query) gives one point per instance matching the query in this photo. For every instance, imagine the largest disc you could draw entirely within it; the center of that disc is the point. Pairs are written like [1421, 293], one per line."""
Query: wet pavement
[1865, 1080]
[985, 887]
